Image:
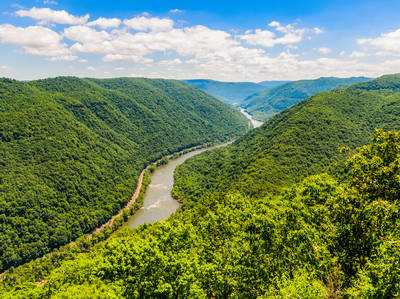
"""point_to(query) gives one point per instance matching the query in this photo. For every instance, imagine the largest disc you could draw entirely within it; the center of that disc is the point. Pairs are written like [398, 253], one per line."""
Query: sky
[221, 40]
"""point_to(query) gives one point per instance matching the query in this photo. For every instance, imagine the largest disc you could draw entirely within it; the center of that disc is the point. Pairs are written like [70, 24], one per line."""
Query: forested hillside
[247, 231]
[300, 141]
[272, 84]
[264, 104]
[71, 151]
[232, 92]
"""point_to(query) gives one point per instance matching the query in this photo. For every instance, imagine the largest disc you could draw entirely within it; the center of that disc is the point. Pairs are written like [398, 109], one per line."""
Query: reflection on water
[158, 203]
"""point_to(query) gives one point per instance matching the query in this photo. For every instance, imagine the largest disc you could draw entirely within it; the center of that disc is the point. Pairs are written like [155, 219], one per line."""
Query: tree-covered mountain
[232, 92]
[71, 151]
[260, 217]
[272, 84]
[298, 142]
[264, 104]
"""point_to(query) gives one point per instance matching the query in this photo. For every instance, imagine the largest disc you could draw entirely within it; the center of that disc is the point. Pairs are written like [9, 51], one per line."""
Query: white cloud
[388, 43]
[267, 38]
[324, 50]
[176, 11]
[46, 15]
[357, 54]
[293, 47]
[198, 51]
[215, 52]
[105, 23]
[62, 58]
[198, 41]
[175, 61]
[86, 34]
[132, 58]
[260, 37]
[36, 40]
[317, 30]
[16, 5]
[50, 2]
[154, 24]
[3, 67]
[135, 75]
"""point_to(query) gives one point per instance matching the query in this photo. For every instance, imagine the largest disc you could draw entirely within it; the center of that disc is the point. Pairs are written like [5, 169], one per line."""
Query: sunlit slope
[263, 105]
[298, 142]
[323, 237]
[71, 151]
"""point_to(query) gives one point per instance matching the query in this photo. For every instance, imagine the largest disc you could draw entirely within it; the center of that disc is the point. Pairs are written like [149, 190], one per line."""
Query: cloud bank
[167, 48]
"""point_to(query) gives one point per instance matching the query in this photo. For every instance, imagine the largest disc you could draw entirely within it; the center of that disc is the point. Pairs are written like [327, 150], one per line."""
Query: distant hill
[266, 103]
[272, 84]
[71, 151]
[229, 92]
[300, 141]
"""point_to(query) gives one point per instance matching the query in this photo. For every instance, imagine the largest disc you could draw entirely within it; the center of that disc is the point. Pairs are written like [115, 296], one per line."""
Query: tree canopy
[71, 151]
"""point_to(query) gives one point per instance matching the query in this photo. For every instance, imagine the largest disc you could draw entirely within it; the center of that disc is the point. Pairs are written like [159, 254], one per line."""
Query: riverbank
[37, 270]
[159, 203]
[128, 211]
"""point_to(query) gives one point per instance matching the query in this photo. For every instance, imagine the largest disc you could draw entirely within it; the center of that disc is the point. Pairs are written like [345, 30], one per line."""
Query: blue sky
[239, 41]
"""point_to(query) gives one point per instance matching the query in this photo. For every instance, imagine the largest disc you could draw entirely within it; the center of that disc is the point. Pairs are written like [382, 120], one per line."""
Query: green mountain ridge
[71, 151]
[272, 84]
[264, 104]
[232, 92]
[261, 218]
[308, 133]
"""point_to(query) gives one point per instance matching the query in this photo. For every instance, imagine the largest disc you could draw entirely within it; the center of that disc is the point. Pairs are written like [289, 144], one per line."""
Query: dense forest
[232, 92]
[71, 151]
[265, 104]
[306, 206]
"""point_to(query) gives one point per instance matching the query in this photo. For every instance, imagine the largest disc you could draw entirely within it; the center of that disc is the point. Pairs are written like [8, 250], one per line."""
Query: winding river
[158, 203]
[256, 123]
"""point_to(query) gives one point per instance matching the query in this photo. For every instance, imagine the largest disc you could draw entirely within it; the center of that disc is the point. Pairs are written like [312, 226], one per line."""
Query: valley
[271, 205]
[158, 203]
[199, 149]
[82, 143]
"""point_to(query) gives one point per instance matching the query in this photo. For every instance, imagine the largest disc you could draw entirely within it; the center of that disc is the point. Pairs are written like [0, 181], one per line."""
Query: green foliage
[380, 278]
[265, 104]
[302, 285]
[301, 141]
[71, 151]
[235, 246]
[369, 210]
[243, 234]
[30, 275]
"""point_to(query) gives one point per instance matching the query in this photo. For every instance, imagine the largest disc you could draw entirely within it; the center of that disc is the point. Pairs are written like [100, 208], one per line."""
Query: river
[158, 203]
[256, 123]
